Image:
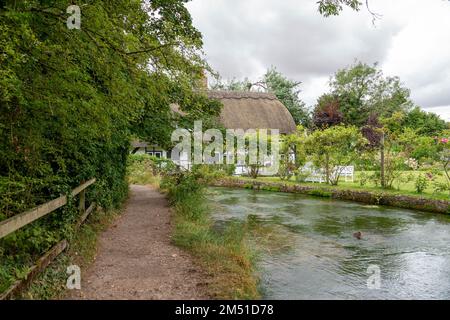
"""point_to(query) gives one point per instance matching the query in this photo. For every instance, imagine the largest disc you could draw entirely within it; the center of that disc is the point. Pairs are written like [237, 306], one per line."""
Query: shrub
[286, 170]
[421, 183]
[301, 176]
[230, 169]
[363, 178]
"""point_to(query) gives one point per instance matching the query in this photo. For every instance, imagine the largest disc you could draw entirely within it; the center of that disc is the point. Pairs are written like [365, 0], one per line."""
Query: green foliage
[292, 153]
[333, 148]
[424, 149]
[212, 172]
[287, 92]
[72, 99]
[425, 123]
[444, 156]
[334, 7]
[421, 183]
[363, 178]
[286, 170]
[362, 89]
[223, 253]
[270, 188]
[394, 164]
[144, 169]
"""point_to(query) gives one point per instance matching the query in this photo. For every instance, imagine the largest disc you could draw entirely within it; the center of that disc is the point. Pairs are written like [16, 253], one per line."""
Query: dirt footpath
[136, 259]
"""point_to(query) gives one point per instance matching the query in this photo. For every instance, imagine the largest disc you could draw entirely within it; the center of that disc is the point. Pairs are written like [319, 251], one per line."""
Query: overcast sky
[242, 38]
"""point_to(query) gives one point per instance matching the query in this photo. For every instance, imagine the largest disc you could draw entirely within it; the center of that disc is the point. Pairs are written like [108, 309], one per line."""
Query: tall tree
[363, 89]
[425, 123]
[334, 7]
[334, 148]
[327, 112]
[287, 91]
[71, 99]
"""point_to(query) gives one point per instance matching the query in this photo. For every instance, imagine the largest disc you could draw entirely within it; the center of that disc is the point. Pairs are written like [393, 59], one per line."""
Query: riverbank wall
[362, 196]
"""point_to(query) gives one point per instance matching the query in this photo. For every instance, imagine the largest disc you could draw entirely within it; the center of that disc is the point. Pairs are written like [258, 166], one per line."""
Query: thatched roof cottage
[241, 110]
[253, 110]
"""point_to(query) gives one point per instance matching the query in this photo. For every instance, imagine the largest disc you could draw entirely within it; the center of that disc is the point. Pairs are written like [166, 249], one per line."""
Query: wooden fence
[18, 221]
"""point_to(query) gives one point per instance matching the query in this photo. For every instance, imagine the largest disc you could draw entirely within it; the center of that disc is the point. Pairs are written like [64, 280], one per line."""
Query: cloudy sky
[412, 40]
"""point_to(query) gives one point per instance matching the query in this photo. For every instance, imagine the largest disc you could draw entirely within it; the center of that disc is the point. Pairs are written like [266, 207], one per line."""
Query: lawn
[407, 188]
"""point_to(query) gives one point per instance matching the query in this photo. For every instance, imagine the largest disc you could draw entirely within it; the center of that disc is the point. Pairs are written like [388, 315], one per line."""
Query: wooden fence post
[82, 205]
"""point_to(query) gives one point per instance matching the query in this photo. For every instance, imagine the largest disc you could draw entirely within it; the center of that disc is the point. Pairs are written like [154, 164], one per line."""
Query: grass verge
[223, 252]
[407, 188]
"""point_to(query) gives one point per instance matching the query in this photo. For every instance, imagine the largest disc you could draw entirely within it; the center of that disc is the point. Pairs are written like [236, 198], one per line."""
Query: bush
[286, 170]
[212, 172]
[301, 176]
[363, 178]
[421, 183]
[146, 170]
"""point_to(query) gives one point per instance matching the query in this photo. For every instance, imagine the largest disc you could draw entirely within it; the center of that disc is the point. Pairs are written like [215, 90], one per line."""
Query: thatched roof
[139, 144]
[253, 110]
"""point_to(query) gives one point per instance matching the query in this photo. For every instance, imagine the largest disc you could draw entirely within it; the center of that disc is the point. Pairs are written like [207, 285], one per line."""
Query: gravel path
[136, 259]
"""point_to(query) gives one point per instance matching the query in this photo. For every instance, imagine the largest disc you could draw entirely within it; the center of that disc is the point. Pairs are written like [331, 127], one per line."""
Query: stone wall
[368, 197]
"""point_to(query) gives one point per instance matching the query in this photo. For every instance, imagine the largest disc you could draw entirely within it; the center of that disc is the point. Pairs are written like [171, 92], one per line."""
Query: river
[308, 251]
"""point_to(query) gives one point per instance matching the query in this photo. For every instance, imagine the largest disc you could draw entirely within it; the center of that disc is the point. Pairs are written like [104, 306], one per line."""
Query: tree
[362, 90]
[444, 157]
[327, 112]
[425, 123]
[71, 100]
[334, 7]
[393, 148]
[256, 155]
[232, 85]
[293, 153]
[287, 92]
[372, 131]
[334, 148]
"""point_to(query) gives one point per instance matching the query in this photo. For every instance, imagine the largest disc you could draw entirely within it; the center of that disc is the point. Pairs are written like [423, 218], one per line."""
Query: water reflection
[312, 253]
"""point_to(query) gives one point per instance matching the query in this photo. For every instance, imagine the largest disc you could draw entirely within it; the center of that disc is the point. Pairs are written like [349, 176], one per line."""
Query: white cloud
[244, 37]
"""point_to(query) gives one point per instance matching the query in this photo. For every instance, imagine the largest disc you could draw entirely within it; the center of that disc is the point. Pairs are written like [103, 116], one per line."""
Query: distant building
[241, 110]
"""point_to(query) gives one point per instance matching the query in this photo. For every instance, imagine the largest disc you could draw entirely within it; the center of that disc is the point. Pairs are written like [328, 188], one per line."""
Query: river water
[307, 248]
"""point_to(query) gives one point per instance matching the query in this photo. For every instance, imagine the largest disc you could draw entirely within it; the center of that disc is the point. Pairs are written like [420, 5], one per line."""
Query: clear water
[318, 257]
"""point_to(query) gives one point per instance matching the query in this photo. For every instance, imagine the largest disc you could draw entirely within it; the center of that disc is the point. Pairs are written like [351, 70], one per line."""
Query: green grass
[404, 189]
[224, 254]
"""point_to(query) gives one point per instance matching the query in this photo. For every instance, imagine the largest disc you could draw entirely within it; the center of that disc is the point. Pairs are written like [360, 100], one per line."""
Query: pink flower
[444, 140]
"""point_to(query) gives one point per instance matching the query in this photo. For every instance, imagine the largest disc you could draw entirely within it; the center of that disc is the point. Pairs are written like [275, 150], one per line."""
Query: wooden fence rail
[18, 221]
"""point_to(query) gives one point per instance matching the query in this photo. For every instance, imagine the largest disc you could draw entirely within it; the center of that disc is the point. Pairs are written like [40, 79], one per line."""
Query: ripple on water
[325, 261]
